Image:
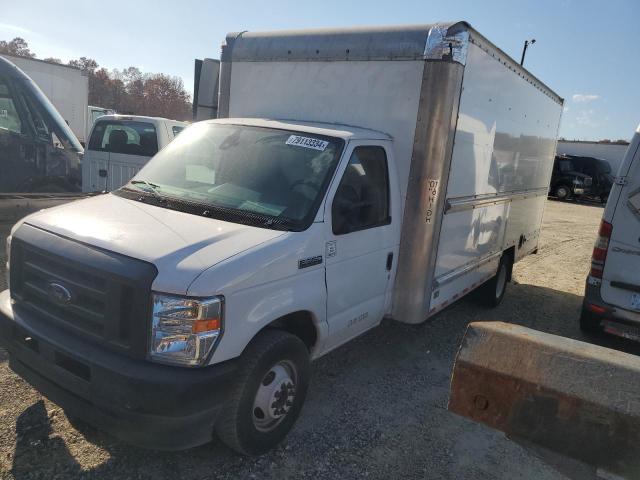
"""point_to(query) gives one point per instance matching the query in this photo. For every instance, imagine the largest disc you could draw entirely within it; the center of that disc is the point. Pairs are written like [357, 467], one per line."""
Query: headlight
[185, 330]
[8, 252]
[577, 181]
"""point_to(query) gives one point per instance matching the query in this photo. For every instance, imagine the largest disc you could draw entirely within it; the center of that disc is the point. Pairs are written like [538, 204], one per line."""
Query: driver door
[362, 236]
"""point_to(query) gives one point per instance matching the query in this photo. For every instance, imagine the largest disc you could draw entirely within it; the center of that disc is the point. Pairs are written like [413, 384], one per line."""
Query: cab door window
[362, 198]
[9, 118]
[35, 116]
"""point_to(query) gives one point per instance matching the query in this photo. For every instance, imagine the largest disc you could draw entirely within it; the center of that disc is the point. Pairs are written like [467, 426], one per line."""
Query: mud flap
[573, 398]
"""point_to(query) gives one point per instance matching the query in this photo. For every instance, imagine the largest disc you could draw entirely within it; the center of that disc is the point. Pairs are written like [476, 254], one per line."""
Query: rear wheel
[268, 395]
[562, 192]
[589, 322]
[492, 292]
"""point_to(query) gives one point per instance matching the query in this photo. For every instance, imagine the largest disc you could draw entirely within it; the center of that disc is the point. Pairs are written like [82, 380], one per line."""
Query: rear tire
[562, 192]
[590, 323]
[492, 292]
[268, 395]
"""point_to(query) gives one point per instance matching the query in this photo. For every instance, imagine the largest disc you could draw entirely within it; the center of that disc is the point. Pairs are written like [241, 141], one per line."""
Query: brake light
[600, 249]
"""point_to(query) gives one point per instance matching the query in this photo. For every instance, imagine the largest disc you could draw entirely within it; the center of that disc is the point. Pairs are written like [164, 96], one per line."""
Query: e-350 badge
[309, 262]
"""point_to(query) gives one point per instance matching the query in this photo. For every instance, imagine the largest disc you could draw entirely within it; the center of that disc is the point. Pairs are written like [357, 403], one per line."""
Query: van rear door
[621, 276]
[118, 149]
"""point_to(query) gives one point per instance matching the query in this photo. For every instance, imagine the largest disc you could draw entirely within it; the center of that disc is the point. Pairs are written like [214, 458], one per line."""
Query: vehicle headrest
[118, 137]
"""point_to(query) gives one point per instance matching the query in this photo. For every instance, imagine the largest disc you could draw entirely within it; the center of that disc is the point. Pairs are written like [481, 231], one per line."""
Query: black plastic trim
[128, 287]
[143, 403]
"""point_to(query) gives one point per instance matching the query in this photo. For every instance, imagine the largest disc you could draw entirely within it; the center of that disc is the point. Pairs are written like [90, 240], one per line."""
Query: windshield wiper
[152, 188]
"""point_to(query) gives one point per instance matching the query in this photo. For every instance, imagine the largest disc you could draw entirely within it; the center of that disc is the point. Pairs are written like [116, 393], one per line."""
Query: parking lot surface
[376, 407]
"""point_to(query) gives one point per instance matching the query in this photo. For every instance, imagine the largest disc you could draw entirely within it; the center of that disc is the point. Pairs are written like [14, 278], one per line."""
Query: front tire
[268, 395]
[492, 292]
[562, 192]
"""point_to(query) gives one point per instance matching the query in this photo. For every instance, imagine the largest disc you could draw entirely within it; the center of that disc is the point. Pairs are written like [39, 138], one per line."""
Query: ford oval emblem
[59, 293]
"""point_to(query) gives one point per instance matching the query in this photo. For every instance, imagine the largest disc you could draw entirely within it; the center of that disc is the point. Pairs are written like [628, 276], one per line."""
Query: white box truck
[360, 174]
[67, 88]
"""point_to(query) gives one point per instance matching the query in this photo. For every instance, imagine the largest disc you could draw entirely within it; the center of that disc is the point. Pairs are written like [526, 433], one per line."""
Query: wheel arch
[511, 254]
[302, 324]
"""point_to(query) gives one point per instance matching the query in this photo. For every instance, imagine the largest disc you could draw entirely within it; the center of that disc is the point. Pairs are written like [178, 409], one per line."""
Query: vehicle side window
[566, 165]
[128, 137]
[35, 116]
[176, 130]
[362, 198]
[9, 118]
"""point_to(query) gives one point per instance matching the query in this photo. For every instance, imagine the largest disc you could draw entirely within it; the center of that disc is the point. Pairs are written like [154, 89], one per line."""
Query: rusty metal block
[571, 397]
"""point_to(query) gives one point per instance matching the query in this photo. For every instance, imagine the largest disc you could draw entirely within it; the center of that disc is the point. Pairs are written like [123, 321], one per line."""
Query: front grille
[588, 181]
[108, 294]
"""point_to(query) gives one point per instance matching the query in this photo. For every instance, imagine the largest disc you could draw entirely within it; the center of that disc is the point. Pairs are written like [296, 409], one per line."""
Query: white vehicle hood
[180, 245]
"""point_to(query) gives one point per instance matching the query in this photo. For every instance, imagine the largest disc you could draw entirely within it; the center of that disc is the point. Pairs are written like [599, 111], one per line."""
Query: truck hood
[180, 245]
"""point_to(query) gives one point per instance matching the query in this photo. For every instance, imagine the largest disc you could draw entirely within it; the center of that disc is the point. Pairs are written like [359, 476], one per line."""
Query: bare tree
[18, 47]
[88, 65]
[127, 91]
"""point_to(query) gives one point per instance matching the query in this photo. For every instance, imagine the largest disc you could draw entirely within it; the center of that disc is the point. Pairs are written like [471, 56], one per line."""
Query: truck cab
[249, 209]
[119, 145]
[566, 181]
[40, 157]
[600, 172]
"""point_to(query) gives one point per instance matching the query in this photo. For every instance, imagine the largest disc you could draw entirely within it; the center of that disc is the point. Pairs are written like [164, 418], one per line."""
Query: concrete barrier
[574, 398]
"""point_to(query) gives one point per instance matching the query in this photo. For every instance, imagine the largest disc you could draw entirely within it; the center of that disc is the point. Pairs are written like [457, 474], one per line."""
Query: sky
[587, 51]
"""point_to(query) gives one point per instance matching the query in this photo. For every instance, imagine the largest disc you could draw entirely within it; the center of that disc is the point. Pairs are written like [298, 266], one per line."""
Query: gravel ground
[376, 408]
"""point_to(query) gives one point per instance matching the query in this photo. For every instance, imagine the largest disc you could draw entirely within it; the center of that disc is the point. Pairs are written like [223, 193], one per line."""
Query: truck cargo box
[474, 136]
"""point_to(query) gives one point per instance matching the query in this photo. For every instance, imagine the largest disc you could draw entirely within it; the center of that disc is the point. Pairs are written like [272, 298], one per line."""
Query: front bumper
[146, 404]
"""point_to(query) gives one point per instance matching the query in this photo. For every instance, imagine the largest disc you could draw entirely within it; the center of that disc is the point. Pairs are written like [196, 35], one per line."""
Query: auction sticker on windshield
[307, 142]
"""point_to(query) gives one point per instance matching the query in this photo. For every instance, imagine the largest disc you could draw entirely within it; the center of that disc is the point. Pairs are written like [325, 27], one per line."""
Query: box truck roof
[345, 132]
[396, 42]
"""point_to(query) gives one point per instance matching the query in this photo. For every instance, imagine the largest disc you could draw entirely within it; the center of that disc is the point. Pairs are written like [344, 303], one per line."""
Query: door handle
[389, 261]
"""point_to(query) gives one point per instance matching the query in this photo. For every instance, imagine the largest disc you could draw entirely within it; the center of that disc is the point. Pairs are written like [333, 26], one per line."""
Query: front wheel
[492, 292]
[562, 192]
[268, 394]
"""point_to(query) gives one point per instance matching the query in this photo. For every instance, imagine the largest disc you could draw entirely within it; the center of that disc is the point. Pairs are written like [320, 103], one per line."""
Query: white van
[612, 293]
[191, 301]
[119, 145]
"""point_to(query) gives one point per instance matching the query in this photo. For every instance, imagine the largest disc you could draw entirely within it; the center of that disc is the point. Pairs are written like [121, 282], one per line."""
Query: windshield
[271, 177]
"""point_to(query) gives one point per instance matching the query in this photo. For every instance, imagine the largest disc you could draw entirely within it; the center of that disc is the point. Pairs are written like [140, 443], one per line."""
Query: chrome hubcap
[275, 396]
